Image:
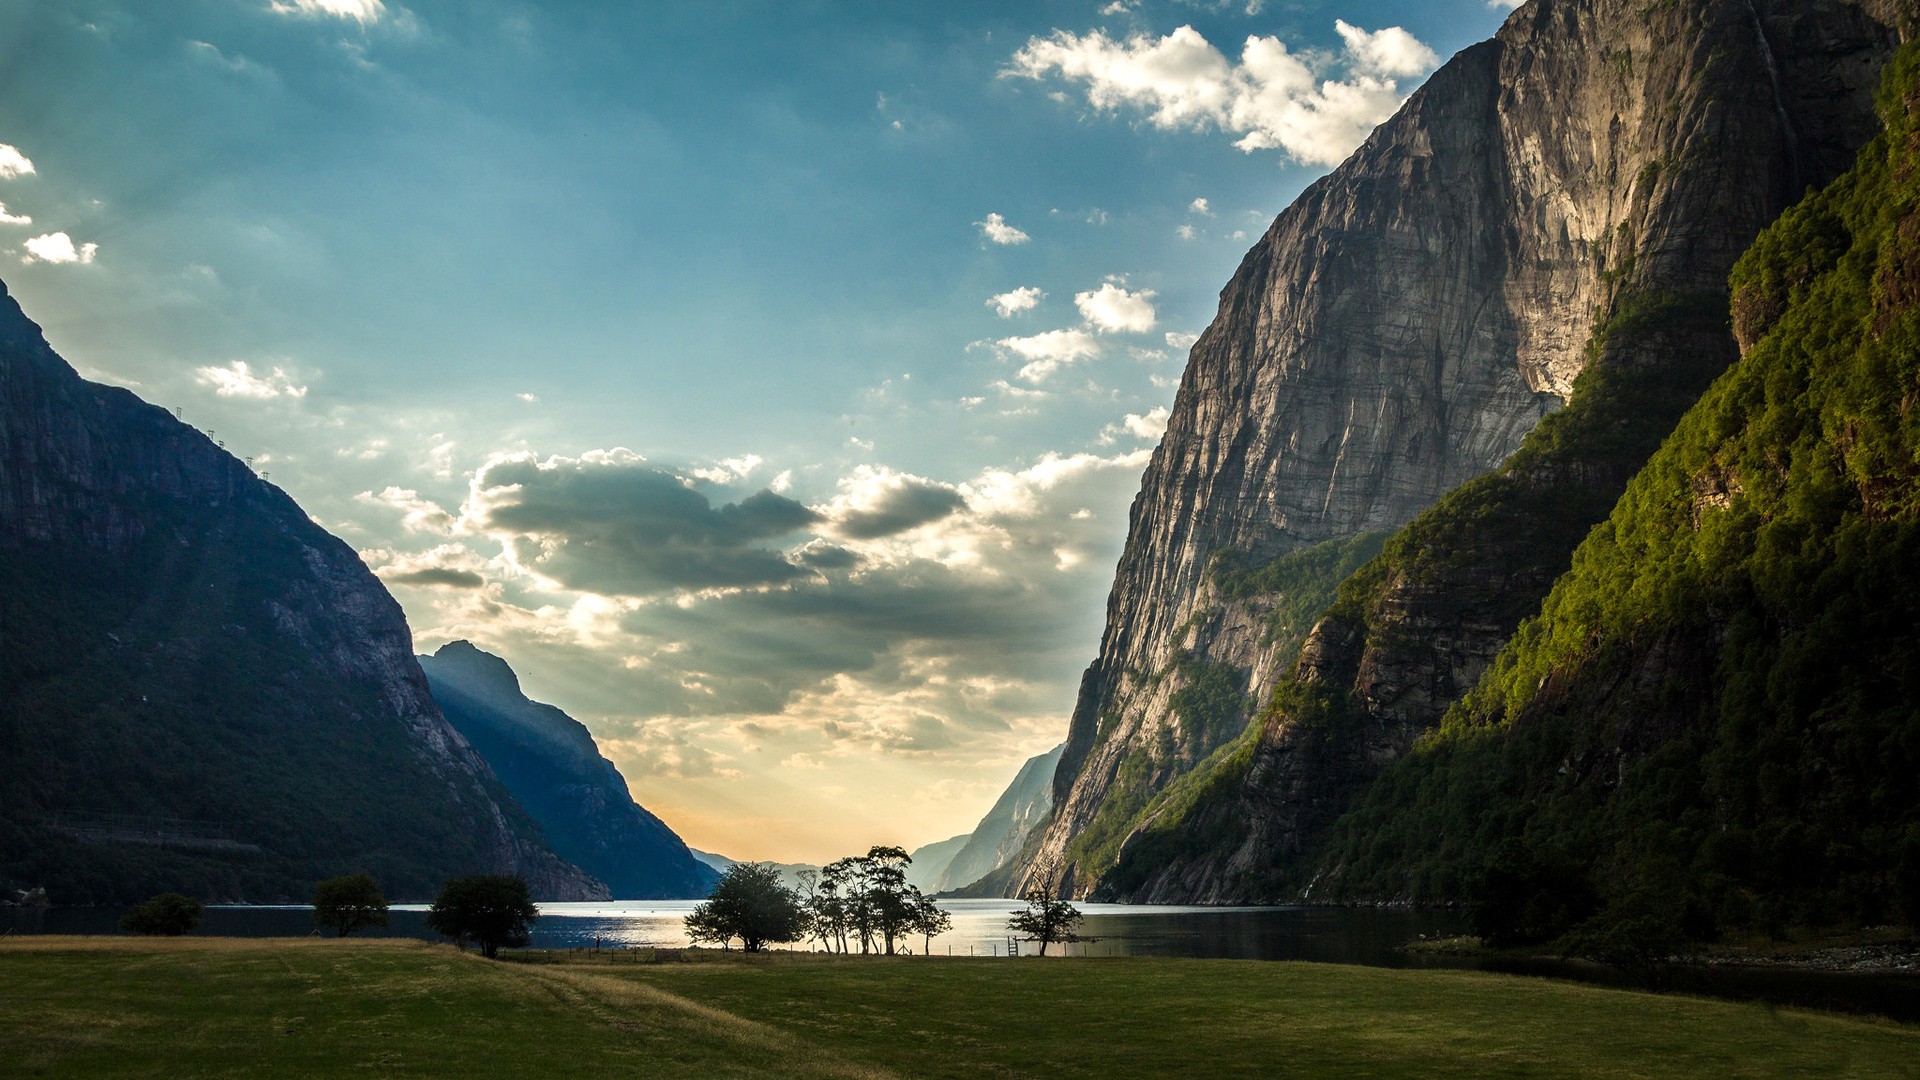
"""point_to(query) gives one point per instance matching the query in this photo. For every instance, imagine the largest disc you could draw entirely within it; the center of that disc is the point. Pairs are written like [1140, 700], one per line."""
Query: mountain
[789, 871]
[551, 765]
[1717, 709]
[996, 842]
[200, 689]
[928, 871]
[1551, 218]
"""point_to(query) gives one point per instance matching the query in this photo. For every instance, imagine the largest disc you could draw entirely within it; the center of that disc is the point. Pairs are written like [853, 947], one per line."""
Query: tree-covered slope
[179, 640]
[1718, 707]
[551, 765]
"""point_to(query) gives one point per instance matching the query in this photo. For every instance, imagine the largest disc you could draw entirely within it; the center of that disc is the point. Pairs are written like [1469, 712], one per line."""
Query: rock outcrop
[1412, 317]
[554, 769]
[180, 641]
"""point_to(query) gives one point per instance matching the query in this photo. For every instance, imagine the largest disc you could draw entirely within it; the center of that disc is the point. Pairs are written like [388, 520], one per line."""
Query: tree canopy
[166, 915]
[1045, 919]
[346, 904]
[490, 910]
[749, 903]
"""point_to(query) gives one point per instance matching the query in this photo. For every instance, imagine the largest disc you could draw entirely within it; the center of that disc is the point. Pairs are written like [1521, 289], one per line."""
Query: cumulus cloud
[875, 502]
[417, 514]
[58, 248]
[13, 163]
[608, 522]
[1008, 304]
[1314, 107]
[1201, 207]
[1048, 352]
[1508, 4]
[13, 219]
[360, 11]
[996, 229]
[1179, 339]
[449, 566]
[1151, 426]
[1111, 309]
[238, 379]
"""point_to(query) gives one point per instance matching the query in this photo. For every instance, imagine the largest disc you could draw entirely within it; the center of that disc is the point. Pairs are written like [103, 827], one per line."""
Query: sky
[766, 381]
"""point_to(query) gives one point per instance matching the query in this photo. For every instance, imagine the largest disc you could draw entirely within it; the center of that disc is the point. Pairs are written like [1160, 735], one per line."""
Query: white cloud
[13, 163]
[728, 470]
[238, 379]
[528, 398]
[996, 229]
[1111, 308]
[1201, 207]
[1009, 304]
[1509, 4]
[418, 514]
[1273, 98]
[1392, 52]
[1048, 352]
[1179, 339]
[1151, 426]
[13, 219]
[360, 11]
[58, 248]
[1185, 232]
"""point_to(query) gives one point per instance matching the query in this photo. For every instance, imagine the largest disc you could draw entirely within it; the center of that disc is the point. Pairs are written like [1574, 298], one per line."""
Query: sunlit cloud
[1008, 304]
[1048, 352]
[1111, 309]
[996, 229]
[1201, 207]
[360, 11]
[1314, 107]
[1179, 339]
[238, 379]
[13, 219]
[58, 248]
[418, 514]
[13, 163]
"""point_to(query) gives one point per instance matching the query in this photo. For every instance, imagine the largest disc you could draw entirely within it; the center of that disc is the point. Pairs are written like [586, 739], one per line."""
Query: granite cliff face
[1402, 328]
[178, 639]
[551, 765]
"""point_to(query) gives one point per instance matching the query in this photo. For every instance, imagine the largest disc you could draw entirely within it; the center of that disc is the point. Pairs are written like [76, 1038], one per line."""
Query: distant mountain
[1001, 835]
[551, 764]
[789, 871]
[928, 871]
[200, 689]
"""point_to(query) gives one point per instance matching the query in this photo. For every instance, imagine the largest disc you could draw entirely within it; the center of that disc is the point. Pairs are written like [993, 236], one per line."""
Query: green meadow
[208, 1007]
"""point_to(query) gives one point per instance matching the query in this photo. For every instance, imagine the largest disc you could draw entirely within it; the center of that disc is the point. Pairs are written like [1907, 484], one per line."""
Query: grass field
[120, 1007]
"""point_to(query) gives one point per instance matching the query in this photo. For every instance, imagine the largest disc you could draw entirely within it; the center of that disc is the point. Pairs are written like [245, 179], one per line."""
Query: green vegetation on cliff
[1211, 708]
[1719, 705]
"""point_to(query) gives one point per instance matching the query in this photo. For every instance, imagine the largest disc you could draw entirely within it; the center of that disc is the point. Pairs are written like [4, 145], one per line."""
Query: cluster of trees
[862, 901]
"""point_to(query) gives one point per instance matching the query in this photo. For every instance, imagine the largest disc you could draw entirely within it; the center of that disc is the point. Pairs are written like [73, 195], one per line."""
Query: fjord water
[1329, 935]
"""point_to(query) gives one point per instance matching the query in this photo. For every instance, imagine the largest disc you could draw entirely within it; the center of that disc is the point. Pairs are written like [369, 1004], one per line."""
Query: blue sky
[766, 381]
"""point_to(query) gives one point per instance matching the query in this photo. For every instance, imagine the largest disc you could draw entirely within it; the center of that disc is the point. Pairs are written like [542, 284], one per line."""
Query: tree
[888, 899]
[489, 909]
[1637, 935]
[346, 904]
[1045, 919]
[929, 919]
[166, 915]
[750, 903]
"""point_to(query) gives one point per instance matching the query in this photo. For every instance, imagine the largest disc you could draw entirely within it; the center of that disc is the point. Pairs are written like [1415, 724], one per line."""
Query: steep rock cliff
[554, 769]
[1715, 715]
[179, 640]
[1404, 325]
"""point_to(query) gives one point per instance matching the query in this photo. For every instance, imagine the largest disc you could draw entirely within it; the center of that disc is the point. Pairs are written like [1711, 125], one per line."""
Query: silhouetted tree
[750, 903]
[1045, 919]
[166, 915]
[346, 904]
[929, 920]
[489, 909]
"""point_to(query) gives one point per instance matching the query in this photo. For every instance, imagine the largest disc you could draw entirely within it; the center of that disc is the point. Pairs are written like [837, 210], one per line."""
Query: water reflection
[1328, 935]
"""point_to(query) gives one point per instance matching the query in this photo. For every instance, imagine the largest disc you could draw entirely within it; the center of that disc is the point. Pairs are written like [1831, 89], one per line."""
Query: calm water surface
[1329, 935]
